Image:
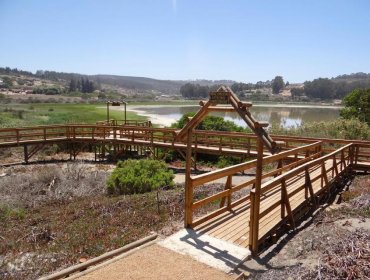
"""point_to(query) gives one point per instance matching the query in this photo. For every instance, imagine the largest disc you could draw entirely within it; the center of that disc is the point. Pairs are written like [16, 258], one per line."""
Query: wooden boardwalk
[208, 142]
[293, 179]
[292, 174]
[233, 226]
[287, 193]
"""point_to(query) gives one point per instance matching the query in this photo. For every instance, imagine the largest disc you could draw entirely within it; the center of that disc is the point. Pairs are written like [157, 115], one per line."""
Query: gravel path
[156, 262]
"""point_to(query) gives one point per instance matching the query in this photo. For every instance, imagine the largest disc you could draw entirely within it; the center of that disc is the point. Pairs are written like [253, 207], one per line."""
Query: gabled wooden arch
[224, 99]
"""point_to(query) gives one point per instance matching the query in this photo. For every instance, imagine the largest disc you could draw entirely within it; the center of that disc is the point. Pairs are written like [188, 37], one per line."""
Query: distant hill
[142, 83]
[139, 83]
[360, 76]
[124, 82]
[338, 86]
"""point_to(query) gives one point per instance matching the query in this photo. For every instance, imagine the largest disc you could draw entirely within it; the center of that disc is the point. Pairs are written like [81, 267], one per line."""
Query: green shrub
[357, 105]
[139, 176]
[211, 123]
[342, 129]
[224, 161]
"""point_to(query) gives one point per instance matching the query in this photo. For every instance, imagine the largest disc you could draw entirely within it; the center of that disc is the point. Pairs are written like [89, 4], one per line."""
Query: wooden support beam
[309, 188]
[324, 174]
[228, 186]
[221, 109]
[244, 105]
[287, 204]
[261, 124]
[198, 117]
[254, 217]
[188, 183]
[25, 149]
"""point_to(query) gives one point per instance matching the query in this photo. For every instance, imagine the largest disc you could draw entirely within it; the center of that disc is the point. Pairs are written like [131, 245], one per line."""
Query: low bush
[139, 176]
[341, 128]
[7, 212]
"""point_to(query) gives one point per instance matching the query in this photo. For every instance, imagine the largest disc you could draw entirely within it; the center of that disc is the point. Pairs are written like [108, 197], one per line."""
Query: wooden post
[188, 184]
[351, 154]
[228, 186]
[25, 149]
[356, 153]
[286, 204]
[257, 195]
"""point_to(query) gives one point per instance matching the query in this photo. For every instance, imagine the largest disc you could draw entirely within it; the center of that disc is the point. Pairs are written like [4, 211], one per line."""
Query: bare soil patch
[156, 262]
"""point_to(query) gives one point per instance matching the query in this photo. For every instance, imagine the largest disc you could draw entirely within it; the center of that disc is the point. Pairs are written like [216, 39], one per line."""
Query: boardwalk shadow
[214, 252]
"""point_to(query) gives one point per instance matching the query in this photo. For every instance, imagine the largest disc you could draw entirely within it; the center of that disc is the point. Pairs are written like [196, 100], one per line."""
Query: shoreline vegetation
[17, 115]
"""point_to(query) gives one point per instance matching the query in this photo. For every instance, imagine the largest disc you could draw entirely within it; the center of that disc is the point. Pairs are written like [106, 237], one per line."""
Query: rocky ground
[333, 245]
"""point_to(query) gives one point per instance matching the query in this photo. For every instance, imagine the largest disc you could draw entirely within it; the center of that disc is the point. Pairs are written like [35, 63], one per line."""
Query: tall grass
[341, 129]
[45, 114]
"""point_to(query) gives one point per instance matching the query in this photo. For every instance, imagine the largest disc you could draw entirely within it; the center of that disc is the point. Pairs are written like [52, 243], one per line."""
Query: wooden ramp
[289, 192]
[233, 226]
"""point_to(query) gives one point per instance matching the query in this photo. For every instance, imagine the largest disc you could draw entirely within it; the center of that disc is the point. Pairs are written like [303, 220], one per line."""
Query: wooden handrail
[274, 182]
[220, 173]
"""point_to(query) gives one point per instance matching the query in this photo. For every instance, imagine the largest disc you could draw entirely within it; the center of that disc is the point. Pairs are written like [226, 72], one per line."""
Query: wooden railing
[221, 140]
[297, 177]
[362, 157]
[312, 177]
[278, 164]
[114, 122]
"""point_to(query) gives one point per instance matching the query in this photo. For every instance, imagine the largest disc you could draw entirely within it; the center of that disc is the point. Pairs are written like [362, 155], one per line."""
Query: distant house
[337, 101]
[164, 97]
[285, 92]
[1, 81]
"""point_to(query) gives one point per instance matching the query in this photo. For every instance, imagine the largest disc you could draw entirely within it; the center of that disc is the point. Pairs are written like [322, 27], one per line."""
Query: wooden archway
[225, 100]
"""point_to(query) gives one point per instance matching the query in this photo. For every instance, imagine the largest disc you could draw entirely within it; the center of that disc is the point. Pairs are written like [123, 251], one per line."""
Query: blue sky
[187, 39]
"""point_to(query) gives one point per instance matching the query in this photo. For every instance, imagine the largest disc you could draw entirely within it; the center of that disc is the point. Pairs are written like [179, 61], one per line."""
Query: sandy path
[156, 262]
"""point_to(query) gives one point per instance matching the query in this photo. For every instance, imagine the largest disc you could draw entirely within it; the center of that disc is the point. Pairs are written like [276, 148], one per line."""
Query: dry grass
[53, 215]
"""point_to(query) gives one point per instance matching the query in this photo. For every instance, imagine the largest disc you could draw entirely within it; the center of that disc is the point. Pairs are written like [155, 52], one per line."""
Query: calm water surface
[277, 115]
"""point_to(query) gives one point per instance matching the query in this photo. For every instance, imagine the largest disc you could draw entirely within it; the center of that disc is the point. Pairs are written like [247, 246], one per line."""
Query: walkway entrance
[287, 184]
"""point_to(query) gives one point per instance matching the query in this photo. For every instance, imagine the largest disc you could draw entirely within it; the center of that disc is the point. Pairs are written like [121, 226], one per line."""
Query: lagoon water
[285, 115]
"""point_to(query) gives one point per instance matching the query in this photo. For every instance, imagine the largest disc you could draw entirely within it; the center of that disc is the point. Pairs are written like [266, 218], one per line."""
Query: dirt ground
[156, 262]
[335, 244]
[52, 215]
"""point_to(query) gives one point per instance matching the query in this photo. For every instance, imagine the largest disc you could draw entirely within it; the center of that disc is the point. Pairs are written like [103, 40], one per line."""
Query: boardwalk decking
[233, 226]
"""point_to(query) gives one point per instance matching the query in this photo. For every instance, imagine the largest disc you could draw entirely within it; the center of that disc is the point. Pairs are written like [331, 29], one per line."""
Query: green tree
[72, 85]
[357, 105]
[194, 91]
[320, 88]
[277, 84]
[297, 92]
[7, 82]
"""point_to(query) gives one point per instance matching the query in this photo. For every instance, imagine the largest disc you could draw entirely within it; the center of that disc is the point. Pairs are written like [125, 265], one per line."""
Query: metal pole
[107, 112]
[125, 112]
